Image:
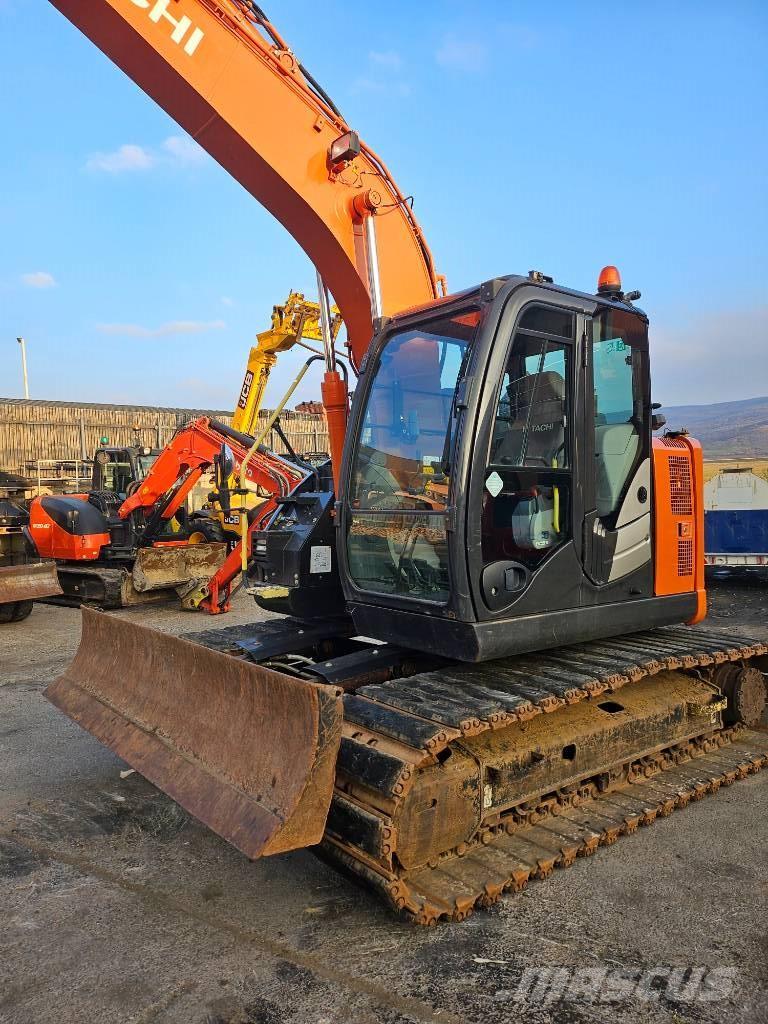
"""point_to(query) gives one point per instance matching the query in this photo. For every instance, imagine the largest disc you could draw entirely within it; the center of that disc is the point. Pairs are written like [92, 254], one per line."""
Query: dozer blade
[28, 582]
[248, 751]
[160, 568]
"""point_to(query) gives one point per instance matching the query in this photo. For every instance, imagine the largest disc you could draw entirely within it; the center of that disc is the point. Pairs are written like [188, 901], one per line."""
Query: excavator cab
[120, 470]
[498, 496]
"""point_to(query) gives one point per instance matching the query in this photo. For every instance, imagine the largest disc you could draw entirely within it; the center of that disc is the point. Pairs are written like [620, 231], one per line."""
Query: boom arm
[177, 469]
[222, 71]
[190, 454]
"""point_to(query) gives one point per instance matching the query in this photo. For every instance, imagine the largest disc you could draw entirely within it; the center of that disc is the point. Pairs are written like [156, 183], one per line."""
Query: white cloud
[184, 150]
[176, 150]
[386, 59]
[164, 330]
[227, 301]
[39, 279]
[461, 54]
[126, 158]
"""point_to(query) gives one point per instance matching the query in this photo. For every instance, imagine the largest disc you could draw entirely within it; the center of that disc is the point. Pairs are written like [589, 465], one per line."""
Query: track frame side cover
[248, 751]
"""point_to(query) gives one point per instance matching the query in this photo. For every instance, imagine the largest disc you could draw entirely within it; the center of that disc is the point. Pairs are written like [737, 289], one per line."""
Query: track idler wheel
[744, 686]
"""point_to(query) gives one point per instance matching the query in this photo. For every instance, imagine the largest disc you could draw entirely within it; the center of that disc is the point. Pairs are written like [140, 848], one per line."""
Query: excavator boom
[191, 453]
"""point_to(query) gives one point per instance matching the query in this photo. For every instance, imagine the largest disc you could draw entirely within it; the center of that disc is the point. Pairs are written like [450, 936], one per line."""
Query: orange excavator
[130, 538]
[486, 668]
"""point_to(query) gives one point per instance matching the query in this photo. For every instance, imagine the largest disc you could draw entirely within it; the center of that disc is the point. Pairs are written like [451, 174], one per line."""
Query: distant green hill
[726, 429]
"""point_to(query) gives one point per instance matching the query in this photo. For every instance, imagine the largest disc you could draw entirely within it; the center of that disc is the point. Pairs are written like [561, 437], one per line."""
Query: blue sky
[558, 137]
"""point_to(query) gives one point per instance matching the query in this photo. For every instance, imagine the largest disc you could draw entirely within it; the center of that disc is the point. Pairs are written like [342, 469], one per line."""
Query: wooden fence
[32, 431]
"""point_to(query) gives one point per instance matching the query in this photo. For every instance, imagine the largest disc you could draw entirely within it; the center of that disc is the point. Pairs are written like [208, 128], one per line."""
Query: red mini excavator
[487, 668]
[129, 538]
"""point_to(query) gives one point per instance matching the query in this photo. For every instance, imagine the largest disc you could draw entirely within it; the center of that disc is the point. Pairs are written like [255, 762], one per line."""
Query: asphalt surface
[115, 906]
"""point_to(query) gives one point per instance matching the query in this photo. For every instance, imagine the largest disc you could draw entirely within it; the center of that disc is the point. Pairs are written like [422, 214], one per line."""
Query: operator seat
[536, 405]
[616, 448]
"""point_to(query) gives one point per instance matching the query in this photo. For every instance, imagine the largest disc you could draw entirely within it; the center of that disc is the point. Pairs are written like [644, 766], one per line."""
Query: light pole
[24, 365]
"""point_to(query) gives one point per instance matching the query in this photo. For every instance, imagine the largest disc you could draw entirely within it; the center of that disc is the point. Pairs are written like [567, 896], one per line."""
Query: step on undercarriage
[458, 784]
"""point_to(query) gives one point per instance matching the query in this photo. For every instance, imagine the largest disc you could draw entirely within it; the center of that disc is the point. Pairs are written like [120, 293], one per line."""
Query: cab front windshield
[144, 463]
[118, 473]
[399, 483]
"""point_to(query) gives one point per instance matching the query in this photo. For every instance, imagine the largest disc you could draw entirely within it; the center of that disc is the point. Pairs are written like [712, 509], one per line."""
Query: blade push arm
[222, 71]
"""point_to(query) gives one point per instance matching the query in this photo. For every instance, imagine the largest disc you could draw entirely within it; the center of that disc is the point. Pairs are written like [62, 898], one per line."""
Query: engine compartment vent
[685, 557]
[680, 489]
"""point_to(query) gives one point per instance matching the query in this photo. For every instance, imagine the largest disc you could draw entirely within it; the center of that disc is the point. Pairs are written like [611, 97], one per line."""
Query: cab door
[525, 498]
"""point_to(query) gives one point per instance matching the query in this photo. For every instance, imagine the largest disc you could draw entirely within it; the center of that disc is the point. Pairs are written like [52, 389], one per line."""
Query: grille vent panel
[680, 490]
[685, 557]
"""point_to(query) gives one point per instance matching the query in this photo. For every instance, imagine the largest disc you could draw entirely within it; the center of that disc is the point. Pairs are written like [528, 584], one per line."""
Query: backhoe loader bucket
[28, 582]
[248, 751]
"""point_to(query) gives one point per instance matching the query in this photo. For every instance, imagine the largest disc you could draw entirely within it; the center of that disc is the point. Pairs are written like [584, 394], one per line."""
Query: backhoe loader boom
[296, 319]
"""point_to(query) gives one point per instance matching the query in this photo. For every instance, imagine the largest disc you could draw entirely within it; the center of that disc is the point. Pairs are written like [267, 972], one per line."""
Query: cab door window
[530, 426]
[527, 481]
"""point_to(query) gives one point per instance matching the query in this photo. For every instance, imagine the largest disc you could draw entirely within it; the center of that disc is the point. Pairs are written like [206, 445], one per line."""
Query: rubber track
[110, 580]
[468, 699]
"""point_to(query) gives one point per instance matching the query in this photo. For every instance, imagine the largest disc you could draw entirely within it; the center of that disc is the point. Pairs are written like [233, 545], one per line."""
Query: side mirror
[225, 466]
[658, 420]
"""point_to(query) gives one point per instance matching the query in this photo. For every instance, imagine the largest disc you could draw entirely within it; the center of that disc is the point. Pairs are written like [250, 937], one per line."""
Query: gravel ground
[117, 907]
